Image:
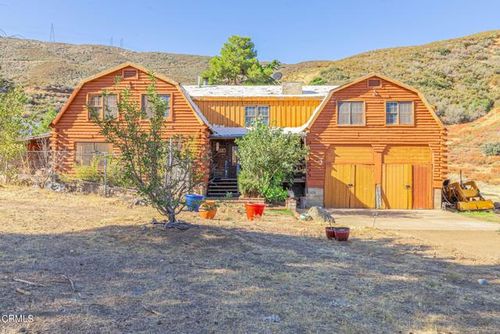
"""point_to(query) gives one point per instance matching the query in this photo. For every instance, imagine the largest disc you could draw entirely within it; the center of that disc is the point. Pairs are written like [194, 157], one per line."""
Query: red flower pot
[341, 233]
[330, 232]
[254, 209]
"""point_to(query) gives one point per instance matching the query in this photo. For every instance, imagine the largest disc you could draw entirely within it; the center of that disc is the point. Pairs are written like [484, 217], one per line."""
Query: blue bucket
[193, 201]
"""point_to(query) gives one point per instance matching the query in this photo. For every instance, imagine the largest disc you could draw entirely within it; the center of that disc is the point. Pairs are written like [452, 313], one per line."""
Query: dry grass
[225, 275]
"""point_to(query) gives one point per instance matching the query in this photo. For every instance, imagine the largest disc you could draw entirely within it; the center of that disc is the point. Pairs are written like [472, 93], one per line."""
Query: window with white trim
[254, 113]
[148, 107]
[103, 105]
[351, 113]
[399, 113]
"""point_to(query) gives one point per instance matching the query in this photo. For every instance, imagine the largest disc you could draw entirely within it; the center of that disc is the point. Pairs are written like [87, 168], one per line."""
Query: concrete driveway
[411, 220]
[450, 234]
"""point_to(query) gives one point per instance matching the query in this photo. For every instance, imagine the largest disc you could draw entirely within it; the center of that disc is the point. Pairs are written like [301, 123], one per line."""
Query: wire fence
[61, 170]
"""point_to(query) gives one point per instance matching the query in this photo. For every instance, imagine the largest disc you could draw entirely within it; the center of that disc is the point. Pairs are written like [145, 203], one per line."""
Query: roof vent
[291, 88]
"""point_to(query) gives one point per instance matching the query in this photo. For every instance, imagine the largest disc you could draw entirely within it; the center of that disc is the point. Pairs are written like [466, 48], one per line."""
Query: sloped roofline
[323, 103]
[199, 115]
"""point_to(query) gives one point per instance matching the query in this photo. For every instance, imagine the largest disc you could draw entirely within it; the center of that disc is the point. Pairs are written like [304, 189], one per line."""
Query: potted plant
[341, 233]
[208, 209]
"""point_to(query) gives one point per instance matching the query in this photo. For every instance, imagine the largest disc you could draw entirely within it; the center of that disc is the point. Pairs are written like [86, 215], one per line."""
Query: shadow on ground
[219, 279]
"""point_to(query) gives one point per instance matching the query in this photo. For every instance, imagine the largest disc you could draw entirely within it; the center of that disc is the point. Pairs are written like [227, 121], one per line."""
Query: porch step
[221, 188]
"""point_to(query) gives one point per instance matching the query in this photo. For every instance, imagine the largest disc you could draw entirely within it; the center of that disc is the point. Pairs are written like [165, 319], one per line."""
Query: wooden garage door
[350, 186]
[407, 178]
[397, 186]
[422, 186]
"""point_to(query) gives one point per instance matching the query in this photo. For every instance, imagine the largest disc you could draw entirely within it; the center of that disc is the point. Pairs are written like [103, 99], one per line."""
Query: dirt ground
[471, 238]
[101, 267]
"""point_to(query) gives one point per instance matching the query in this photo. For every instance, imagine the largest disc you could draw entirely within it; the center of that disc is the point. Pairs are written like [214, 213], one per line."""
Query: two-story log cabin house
[374, 142]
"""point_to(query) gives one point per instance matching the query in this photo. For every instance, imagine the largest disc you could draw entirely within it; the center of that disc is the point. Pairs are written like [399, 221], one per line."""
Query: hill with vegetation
[50, 71]
[460, 76]
[467, 144]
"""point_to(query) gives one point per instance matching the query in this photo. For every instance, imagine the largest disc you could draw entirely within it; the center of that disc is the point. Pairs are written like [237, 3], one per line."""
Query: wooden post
[378, 157]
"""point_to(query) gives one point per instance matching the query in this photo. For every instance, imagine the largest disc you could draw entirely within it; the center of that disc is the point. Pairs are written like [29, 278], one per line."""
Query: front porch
[224, 168]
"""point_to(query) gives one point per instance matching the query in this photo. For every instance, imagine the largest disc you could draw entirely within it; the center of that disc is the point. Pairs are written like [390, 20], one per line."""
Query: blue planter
[193, 201]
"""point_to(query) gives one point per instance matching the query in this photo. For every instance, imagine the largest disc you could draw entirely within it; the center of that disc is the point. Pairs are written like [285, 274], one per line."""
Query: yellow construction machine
[464, 196]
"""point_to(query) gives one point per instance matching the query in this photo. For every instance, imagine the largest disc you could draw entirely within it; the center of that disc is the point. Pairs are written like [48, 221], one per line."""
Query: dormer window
[129, 73]
[374, 83]
[399, 113]
[351, 113]
[102, 105]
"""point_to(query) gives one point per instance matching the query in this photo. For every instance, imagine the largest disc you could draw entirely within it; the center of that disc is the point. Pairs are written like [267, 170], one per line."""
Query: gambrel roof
[199, 115]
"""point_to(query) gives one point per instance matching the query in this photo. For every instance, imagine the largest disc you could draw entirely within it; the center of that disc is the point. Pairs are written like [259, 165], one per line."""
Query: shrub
[275, 193]
[444, 51]
[491, 149]
[268, 158]
[248, 184]
[116, 174]
[88, 172]
[455, 114]
[317, 81]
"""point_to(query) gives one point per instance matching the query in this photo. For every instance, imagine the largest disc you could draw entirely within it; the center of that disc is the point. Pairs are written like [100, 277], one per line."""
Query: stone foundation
[437, 198]
[314, 197]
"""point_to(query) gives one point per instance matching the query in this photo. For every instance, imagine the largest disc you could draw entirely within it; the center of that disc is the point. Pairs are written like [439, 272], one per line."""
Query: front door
[224, 160]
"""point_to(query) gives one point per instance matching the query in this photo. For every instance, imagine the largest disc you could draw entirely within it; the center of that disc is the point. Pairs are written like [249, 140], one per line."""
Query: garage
[350, 177]
[405, 180]
[407, 177]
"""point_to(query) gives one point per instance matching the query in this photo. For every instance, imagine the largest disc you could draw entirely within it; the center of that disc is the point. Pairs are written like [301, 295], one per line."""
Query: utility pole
[52, 37]
[111, 41]
[121, 42]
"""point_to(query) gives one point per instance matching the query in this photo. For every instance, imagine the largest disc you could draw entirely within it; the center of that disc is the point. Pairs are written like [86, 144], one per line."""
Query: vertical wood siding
[74, 125]
[283, 111]
[324, 133]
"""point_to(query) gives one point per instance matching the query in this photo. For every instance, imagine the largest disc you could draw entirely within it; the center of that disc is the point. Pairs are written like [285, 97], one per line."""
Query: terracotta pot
[341, 233]
[330, 232]
[254, 210]
[207, 214]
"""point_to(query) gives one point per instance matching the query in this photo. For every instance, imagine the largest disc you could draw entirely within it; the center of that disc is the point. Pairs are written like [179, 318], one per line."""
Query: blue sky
[290, 31]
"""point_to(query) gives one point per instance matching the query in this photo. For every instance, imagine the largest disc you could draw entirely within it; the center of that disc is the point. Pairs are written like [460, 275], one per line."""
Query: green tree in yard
[13, 124]
[268, 157]
[43, 125]
[238, 64]
[162, 170]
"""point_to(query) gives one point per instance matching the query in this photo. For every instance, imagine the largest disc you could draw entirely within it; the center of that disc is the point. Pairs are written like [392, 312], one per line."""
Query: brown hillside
[460, 76]
[49, 71]
[465, 142]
